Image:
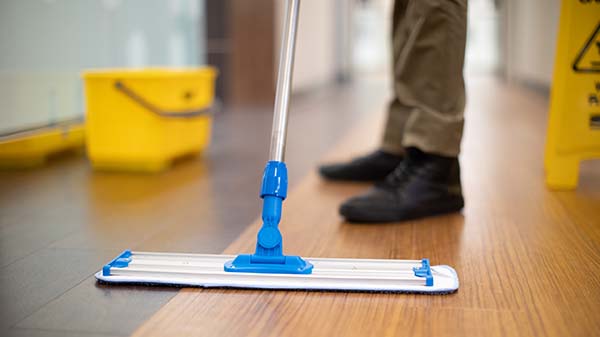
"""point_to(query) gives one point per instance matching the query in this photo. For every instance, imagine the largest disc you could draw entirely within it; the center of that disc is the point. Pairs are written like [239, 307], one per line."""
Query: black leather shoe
[421, 186]
[372, 167]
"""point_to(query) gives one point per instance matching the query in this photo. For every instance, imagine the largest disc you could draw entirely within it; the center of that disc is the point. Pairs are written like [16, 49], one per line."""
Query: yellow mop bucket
[141, 120]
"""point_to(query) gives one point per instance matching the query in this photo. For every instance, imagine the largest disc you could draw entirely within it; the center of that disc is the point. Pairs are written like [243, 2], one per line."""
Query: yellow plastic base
[32, 149]
[139, 165]
[562, 171]
[131, 166]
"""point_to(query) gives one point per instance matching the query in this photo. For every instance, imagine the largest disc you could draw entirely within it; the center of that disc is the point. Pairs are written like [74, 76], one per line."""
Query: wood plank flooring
[59, 224]
[528, 258]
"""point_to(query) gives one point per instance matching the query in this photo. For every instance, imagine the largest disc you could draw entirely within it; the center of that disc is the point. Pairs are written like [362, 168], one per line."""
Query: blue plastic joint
[268, 257]
[275, 180]
[424, 271]
[120, 261]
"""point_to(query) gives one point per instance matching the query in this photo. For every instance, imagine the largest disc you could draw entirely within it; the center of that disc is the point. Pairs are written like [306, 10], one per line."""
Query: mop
[268, 267]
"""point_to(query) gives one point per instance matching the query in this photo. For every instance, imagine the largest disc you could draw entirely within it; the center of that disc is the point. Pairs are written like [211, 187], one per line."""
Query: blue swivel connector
[268, 257]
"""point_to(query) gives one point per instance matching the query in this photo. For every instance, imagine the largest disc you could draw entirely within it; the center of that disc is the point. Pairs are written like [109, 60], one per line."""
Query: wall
[315, 62]
[46, 44]
[483, 56]
[530, 29]
[371, 28]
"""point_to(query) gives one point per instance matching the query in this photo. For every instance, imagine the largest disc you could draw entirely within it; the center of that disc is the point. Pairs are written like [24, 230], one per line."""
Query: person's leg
[376, 165]
[429, 76]
[429, 85]
[397, 113]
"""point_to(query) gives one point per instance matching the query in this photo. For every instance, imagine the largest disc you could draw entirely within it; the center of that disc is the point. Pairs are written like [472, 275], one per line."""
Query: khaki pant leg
[428, 76]
[397, 114]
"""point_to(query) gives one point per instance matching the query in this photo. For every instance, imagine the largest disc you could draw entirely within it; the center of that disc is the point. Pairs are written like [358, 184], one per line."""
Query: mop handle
[284, 82]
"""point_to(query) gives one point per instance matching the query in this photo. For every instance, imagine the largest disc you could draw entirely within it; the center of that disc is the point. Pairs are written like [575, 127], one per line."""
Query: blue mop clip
[268, 257]
[120, 261]
[424, 271]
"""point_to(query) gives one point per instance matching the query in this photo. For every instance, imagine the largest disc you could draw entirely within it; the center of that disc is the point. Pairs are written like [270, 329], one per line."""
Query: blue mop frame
[268, 257]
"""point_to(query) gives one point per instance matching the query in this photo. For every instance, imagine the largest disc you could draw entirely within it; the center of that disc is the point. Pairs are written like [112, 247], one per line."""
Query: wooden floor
[61, 223]
[528, 259]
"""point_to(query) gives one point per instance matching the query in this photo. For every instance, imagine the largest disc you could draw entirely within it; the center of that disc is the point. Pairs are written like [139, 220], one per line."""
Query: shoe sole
[358, 215]
[349, 179]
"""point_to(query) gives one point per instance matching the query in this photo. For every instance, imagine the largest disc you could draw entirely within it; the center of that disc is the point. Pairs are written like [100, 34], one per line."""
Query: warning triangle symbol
[588, 58]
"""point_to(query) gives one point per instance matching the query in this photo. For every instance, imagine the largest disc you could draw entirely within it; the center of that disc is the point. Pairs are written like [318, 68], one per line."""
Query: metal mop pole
[284, 82]
[268, 257]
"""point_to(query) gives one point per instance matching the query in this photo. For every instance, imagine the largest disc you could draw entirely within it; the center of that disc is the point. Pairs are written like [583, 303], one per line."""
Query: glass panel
[46, 44]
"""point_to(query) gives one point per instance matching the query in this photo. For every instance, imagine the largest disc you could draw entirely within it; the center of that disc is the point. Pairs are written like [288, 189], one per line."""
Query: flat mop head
[202, 270]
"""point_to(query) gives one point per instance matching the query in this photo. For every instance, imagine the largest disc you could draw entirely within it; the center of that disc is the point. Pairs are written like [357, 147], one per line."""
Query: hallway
[528, 258]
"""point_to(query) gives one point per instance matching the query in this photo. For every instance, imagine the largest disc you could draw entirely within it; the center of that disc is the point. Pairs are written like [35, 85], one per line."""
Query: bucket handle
[158, 111]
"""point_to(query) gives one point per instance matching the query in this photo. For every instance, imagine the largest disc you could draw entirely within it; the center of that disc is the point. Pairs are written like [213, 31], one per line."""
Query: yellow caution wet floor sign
[574, 125]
